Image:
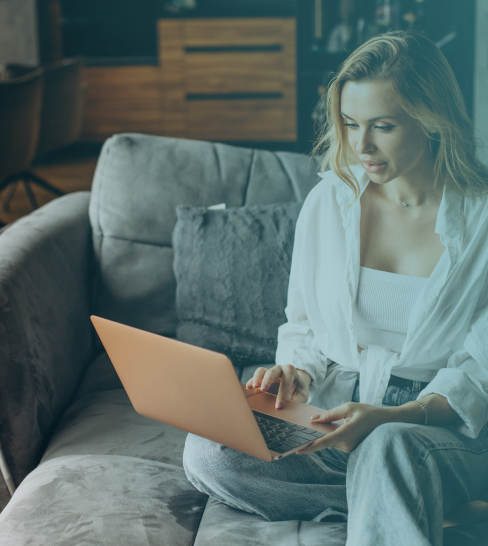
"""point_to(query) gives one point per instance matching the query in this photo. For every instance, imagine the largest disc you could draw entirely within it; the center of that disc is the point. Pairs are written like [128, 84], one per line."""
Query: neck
[415, 190]
[414, 196]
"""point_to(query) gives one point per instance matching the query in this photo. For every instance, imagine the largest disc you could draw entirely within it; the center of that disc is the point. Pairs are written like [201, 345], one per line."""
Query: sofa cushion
[102, 421]
[232, 268]
[99, 376]
[106, 423]
[138, 183]
[222, 525]
[103, 500]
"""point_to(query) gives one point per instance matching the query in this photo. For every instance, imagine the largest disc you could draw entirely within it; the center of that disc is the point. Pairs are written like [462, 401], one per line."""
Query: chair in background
[63, 105]
[20, 114]
[61, 117]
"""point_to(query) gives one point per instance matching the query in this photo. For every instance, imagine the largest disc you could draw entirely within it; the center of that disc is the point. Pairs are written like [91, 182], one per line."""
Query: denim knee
[205, 462]
[197, 457]
[390, 442]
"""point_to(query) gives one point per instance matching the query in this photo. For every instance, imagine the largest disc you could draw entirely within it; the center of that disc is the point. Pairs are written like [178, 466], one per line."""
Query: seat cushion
[109, 476]
[222, 525]
[105, 500]
[106, 423]
[232, 268]
[102, 421]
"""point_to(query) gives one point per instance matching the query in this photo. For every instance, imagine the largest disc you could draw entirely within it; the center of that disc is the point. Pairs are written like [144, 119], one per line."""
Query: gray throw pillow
[232, 268]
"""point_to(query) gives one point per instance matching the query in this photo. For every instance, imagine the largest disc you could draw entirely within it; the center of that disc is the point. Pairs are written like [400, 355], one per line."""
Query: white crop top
[383, 306]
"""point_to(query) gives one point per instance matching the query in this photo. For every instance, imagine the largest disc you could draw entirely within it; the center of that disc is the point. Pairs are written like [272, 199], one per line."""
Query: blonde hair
[427, 89]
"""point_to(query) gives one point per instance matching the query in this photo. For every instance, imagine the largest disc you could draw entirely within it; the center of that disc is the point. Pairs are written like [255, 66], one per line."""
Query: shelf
[122, 61]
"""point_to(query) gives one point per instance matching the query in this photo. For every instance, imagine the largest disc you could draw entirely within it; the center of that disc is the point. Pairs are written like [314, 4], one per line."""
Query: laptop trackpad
[292, 411]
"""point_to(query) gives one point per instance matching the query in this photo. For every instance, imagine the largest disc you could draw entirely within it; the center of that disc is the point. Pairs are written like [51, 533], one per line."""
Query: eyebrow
[369, 120]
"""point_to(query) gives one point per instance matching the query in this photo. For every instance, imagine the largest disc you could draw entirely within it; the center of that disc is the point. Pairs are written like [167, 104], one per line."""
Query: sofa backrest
[138, 183]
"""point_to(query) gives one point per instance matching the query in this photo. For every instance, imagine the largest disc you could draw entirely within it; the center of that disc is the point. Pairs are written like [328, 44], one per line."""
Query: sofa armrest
[45, 332]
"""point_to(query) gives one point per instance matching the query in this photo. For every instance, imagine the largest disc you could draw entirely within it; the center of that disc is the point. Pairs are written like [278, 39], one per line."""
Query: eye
[384, 128]
[351, 125]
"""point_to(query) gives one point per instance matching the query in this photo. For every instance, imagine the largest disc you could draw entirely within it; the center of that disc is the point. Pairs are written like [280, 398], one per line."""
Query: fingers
[264, 378]
[340, 412]
[255, 381]
[287, 376]
[333, 439]
[287, 385]
[271, 376]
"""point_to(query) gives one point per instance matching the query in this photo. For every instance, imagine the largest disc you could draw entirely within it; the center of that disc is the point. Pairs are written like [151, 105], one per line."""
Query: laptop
[198, 391]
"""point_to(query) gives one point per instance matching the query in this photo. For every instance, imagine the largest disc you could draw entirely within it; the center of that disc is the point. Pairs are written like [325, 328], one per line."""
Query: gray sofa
[79, 465]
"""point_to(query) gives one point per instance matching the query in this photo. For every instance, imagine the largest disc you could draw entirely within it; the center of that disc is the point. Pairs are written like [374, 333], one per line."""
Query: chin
[379, 179]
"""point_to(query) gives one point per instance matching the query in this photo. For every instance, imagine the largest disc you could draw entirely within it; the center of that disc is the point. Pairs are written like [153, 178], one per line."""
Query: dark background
[124, 32]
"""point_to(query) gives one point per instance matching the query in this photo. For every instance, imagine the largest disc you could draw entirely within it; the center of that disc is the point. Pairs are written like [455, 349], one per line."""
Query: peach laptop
[198, 391]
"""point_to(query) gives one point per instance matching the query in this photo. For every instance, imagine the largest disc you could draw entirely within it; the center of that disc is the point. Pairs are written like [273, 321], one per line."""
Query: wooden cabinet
[229, 79]
[122, 99]
[217, 79]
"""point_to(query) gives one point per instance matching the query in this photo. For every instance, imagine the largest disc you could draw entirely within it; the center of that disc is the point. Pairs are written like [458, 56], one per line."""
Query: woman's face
[386, 140]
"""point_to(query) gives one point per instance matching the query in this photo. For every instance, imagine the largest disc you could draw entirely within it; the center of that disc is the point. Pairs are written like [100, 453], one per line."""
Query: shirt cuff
[315, 365]
[466, 397]
[311, 361]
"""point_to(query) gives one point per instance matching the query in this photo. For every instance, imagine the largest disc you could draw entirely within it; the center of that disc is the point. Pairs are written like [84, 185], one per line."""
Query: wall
[18, 31]
[481, 77]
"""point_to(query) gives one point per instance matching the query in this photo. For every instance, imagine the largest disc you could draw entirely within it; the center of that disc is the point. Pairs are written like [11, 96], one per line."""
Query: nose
[365, 142]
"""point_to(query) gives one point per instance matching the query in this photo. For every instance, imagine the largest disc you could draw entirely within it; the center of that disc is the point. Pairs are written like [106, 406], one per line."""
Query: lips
[373, 166]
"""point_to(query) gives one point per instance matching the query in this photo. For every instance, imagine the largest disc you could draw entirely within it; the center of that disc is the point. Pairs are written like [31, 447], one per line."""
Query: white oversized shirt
[447, 336]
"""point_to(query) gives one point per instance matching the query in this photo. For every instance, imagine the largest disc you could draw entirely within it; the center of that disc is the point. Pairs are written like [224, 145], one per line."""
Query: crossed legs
[401, 481]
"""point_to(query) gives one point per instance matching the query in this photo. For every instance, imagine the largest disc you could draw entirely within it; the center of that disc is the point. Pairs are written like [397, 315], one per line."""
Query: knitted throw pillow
[232, 268]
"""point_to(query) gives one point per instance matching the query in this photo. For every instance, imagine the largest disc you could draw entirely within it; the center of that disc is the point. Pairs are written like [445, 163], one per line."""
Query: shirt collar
[345, 194]
[448, 222]
[449, 216]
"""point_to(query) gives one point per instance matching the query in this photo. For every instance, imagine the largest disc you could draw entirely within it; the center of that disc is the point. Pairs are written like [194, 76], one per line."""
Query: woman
[387, 314]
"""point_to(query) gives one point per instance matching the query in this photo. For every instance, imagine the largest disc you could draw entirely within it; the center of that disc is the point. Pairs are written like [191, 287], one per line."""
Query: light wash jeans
[395, 487]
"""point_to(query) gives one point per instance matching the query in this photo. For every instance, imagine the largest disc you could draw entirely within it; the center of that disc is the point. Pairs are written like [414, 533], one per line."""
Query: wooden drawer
[122, 99]
[234, 72]
[218, 79]
[250, 120]
[229, 79]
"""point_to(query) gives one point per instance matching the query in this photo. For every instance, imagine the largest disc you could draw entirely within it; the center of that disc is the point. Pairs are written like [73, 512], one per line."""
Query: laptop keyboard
[281, 436]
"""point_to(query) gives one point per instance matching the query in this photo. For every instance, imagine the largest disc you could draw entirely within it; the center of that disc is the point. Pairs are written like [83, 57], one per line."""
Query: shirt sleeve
[464, 382]
[297, 344]
[465, 385]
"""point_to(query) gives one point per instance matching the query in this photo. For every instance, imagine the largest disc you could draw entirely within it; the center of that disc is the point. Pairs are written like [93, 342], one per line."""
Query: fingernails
[264, 386]
[278, 404]
[315, 417]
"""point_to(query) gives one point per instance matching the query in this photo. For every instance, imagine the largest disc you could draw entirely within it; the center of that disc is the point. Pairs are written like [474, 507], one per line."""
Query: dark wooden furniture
[122, 99]
[223, 79]
[229, 79]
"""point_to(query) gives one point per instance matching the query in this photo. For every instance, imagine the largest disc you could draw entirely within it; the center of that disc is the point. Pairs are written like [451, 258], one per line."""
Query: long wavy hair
[427, 89]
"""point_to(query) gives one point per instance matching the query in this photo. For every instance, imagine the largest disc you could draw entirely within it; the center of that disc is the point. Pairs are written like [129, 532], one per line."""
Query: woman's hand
[294, 384]
[359, 421]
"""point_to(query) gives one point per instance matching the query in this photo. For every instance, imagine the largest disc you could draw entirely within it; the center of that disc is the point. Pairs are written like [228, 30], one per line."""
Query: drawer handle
[233, 48]
[233, 96]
